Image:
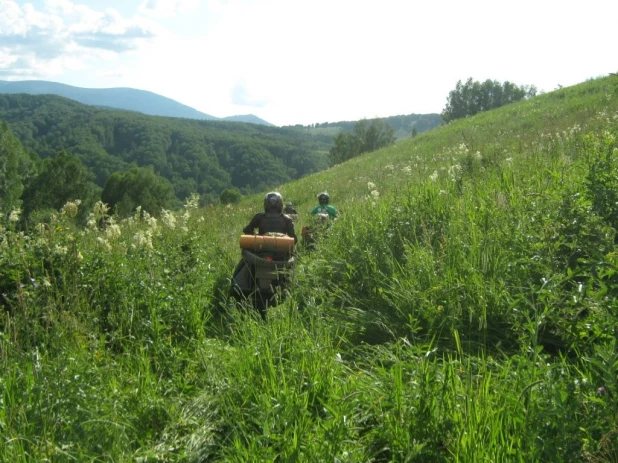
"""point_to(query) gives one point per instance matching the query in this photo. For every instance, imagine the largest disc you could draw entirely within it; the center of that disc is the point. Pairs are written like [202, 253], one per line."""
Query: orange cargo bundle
[267, 242]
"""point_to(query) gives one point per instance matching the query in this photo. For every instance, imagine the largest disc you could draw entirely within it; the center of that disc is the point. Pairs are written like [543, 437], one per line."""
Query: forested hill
[201, 157]
[119, 98]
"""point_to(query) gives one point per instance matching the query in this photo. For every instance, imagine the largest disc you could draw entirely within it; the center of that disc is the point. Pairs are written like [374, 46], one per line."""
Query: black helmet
[273, 201]
[323, 198]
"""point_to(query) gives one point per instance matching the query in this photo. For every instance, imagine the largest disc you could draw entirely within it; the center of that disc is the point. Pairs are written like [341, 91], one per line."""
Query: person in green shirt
[324, 207]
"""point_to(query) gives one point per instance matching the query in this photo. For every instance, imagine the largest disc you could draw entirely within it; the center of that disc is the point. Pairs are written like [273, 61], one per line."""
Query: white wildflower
[60, 250]
[193, 201]
[71, 208]
[168, 219]
[407, 170]
[113, 231]
[371, 186]
[478, 156]
[100, 210]
[143, 239]
[104, 243]
[375, 194]
[152, 222]
[14, 215]
[433, 177]
[91, 222]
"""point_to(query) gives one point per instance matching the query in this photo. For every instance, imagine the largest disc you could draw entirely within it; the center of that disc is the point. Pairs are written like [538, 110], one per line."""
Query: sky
[303, 62]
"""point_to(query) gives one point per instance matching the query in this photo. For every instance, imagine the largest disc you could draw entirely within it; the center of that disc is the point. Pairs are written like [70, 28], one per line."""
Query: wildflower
[100, 210]
[113, 231]
[104, 243]
[143, 239]
[79, 256]
[454, 171]
[152, 222]
[193, 201]
[71, 208]
[60, 250]
[91, 223]
[433, 177]
[375, 194]
[168, 219]
[14, 215]
[478, 156]
[371, 186]
[407, 170]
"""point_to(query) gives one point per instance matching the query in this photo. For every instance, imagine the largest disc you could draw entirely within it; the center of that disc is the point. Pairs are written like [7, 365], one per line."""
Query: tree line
[59, 146]
[473, 97]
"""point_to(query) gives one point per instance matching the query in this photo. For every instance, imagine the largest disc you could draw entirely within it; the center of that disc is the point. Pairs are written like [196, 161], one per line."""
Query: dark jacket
[271, 222]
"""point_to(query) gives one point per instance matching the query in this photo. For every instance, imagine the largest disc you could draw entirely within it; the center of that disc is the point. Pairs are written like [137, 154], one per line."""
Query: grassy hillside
[463, 308]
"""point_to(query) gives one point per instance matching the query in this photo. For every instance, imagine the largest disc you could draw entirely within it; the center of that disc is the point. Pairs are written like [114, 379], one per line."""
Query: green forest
[202, 157]
[403, 126]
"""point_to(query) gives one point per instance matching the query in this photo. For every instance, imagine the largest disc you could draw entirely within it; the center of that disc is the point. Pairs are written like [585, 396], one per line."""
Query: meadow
[463, 308]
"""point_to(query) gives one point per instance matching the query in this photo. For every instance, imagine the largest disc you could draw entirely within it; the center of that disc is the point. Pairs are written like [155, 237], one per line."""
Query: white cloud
[167, 8]
[63, 36]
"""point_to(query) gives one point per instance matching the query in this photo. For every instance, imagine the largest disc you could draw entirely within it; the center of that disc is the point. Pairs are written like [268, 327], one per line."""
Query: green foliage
[59, 180]
[230, 196]
[15, 168]
[402, 125]
[138, 187]
[367, 136]
[474, 97]
[203, 157]
[462, 308]
[602, 179]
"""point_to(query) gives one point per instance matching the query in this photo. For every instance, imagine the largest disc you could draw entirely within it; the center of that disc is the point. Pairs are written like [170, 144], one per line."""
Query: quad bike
[310, 233]
[262, 274]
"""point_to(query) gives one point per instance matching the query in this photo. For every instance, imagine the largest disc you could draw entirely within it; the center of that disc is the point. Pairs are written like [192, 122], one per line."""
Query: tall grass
[463, 308]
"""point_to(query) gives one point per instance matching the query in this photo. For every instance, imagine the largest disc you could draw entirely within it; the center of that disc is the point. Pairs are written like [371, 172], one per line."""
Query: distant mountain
[120, 98]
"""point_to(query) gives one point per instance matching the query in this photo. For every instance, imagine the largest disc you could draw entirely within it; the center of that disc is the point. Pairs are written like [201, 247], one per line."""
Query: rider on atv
[324, 207]
[322, 216]
[260, 276]
[272, 220]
